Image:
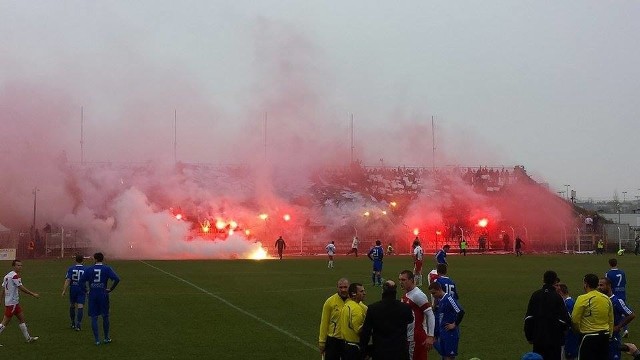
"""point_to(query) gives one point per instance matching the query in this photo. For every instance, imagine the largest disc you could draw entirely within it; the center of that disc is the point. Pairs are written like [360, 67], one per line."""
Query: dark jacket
[547, 318]
[387, 320]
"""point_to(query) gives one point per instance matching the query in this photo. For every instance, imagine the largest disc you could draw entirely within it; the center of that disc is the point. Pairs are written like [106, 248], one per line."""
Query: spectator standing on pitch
[547, 319]
[375, 255]
[77, 292]
[449, 315]
[592, 317]
[622, 315]
[98, 277]
[352, 317]
[418, 254]
[331, 251]
[441, 255]
[636, 249]
[571, 340]
[354, 246]
[463, 247]
[388, 320]
[390, 249]
[11, 285]
[280, 245]
[519, 244]
[329, 344]
[421, 334]
[600, 247]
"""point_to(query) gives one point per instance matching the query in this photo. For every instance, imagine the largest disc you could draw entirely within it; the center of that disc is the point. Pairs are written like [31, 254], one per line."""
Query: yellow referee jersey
[351, 321]
[330, 317]
[593, 312]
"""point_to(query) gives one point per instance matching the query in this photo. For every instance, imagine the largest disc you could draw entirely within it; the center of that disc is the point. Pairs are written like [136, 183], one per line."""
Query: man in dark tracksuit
[547, 319]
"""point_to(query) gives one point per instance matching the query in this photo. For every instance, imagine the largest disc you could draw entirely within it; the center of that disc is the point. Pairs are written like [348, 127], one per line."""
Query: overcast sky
[550, 85]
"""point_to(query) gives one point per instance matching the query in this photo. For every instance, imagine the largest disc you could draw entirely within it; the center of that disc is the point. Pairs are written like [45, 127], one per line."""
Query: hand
[429, 342]
[321, 347]
[450, 327]
[36, 295]
[63, 292]
[632, 348]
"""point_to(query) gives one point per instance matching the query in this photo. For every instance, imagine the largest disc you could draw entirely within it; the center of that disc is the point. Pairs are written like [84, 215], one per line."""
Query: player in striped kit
[421, 332]
[418, 254]
[10, 285]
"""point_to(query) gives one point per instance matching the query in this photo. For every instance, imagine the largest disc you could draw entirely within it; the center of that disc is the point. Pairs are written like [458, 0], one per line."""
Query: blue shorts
[571, 345]
[98, 304]
[614, 348]
[377, 265]
[447, 344]
[77, 295]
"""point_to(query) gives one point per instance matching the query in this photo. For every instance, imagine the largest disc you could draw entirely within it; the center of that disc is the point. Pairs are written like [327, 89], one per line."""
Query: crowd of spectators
[383, 182]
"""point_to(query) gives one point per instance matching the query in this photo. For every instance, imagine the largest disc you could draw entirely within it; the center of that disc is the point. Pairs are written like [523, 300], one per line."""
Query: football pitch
[270, 309]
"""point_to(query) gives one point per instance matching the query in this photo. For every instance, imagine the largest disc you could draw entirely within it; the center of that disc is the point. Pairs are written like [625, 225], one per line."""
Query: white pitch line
[234, 307]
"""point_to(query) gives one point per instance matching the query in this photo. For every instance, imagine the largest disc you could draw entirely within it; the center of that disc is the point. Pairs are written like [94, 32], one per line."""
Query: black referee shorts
[594, 346]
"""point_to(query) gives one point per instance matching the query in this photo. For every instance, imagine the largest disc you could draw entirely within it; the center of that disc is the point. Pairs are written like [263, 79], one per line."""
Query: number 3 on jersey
[96, 275]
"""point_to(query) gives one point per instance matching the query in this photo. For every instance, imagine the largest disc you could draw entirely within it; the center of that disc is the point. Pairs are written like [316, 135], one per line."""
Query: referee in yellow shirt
[330, 345]
[351, 320]
[592, 317]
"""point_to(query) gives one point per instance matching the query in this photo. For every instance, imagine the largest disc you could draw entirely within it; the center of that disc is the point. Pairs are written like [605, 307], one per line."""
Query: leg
[79, 315]
[94, 327]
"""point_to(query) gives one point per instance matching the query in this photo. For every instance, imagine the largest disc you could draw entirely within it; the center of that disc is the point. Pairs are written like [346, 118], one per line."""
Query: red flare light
[179, 216]
[483, 222]
[263, 216]
[416, 231]
[220, 224]
[286, 217]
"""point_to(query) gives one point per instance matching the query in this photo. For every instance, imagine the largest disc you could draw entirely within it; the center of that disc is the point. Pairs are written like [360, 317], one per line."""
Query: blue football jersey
[376, 253]
[74, 274]
[618, 282]
[448, 286]
[98, 277]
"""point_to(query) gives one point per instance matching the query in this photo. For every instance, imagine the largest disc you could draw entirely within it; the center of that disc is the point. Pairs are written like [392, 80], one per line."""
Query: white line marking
[235, 307]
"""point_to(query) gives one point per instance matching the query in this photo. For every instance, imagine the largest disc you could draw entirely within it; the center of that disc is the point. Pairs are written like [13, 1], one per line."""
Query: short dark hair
[435, 286]
[441, 269]
[409, 274]
[591, 280]
[378, 242]
[613, 262]
[353, 289]
[79, 258]
[550, 277]
[99, 257]
[563, 288]
[446, 247]
[13, 263]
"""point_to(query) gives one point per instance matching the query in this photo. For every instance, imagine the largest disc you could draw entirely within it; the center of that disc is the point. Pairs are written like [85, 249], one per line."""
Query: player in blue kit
[77, 292]
[98, 277]
[441, 255]
[618, 279]
[622, 315]
[376, 254]
[448, 285]
[449, 315]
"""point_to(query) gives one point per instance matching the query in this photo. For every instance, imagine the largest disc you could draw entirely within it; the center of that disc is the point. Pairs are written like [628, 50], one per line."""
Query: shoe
[33, 339]
[77, 328]
[73, 326]
[625, 334]
[107, 341]
[98, 342]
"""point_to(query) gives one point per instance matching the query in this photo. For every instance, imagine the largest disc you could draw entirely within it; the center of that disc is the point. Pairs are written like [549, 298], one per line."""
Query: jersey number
[76, 275]
[97, 273]
[619, 276]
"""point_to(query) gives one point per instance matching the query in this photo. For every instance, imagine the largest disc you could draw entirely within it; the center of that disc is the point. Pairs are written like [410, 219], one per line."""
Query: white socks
[25, 332]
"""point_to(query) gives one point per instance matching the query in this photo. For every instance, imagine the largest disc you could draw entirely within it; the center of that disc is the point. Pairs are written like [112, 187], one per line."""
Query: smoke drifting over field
[129, 118]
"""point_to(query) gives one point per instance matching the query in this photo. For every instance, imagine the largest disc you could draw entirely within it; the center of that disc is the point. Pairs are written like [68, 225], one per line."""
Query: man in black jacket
[547, 319]
[387, 320]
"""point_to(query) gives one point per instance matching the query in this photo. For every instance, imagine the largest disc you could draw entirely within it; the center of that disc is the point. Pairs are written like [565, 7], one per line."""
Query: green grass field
[270, 309]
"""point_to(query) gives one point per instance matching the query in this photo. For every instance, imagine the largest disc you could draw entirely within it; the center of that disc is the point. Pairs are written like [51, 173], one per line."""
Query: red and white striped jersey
[423, 318]
[11, 283]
